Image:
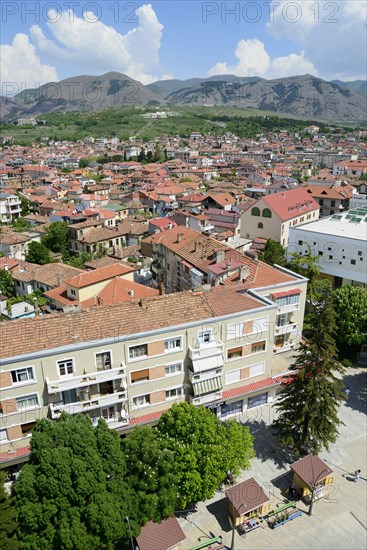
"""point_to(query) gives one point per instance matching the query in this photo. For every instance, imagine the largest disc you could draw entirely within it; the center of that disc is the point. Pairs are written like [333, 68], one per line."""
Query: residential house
[331, 199]
[30, 277]
[15, 245]
[272, 216]
[10, 208]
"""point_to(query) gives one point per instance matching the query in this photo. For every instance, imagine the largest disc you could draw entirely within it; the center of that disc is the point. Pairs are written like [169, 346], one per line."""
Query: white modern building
[10, 207]
[340, 242]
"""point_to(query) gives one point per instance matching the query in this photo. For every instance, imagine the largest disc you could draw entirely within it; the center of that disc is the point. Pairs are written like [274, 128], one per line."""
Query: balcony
[288, 309]
[84, 406]
[204, 399]
[290, 328]
[196, 377]
[85, 380]
[157, 267]
[208, 349]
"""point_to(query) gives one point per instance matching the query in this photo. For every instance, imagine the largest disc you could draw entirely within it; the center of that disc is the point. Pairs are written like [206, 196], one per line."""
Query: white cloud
[253, 60]
[332, 34]
[21, 67]
[95, 48]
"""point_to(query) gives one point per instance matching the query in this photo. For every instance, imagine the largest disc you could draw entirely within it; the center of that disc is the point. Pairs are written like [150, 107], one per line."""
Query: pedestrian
[347, 392]
[357, 475]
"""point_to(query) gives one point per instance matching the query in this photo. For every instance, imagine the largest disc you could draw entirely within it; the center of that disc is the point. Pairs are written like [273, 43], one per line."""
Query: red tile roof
[311, 469]
[286, 293]
[249, 388]
[146, 418]
[23, 451]
[290, 204]
[246, 496]
[98, 275]
[161, 536]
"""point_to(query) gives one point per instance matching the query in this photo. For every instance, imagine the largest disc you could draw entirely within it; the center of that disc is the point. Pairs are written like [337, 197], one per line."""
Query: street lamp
[234, 524]
[313, 485]
[131, 538]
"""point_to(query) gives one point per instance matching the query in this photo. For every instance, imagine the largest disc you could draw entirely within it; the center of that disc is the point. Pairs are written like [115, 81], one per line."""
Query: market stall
[247, 504]
[311, 475]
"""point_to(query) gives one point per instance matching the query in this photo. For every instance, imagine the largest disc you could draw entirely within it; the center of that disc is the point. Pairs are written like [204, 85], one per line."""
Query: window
[103, 360]
[321, 202]
[73, 293]
[172, 344]
[332, 203]
[139, 376]
[27, 428]
[141, 400]
[300, 243]
[260, 225]
[173, 393]
[259, 346]
[108, 413]
[106, 388]
[266, 213]
[255, 211]
[288, 300]
[27, 402]
[138, 351]
[353, 262]
[234, 353]
[3, 436]
[233, 376]
[256, 370]
[69, 396]
[66, 367]
[234, 331]
[359, 252]
[321, 253]
[261, 324]
[205, 336]
[283, 319]
[173, 369]
[22, 375]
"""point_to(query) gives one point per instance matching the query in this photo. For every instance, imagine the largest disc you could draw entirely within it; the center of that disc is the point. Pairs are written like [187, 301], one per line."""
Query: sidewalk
[339, 521]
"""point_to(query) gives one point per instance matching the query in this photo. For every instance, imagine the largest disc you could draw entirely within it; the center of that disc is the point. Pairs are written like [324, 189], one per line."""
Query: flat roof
[345, 224]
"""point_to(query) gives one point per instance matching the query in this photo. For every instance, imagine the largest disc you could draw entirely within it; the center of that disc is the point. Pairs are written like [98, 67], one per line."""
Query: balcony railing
[205, 375]
[288, 308]
[209, 349]
[56, 386]
[83, 406]
[203, 399]
[290, 328]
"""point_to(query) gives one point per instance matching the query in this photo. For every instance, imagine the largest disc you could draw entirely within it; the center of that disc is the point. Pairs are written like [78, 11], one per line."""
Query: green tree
[159, 155]
[56, 237]
[38, 253]
[7, 284]
[21, 225]
[79, 261]
[149, 473]
[204, 449]
[72, 494]
[83, 163]
[8, 522]
[273, 253]
[307, 265]
[25, 205]
[309, 402]
[350, 303]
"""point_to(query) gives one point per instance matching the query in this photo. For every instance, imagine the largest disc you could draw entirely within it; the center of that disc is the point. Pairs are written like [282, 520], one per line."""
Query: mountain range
[300, 96]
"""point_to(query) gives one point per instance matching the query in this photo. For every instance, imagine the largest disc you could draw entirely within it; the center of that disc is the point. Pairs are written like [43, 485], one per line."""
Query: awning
[207, 363]
[286, 293]
[207, 386]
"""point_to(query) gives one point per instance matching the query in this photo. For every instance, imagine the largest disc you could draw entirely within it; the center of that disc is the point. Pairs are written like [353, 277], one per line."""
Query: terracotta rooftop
[48, 274]
[99, 322]
[161, 536]
[99, 275]
[311, 469]
[246, 496]
[290, 204]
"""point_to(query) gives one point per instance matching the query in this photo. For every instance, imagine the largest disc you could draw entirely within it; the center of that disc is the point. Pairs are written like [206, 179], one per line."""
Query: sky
[47, 41]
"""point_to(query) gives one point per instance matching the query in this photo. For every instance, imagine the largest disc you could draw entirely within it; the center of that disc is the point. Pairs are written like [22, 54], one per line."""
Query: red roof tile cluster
[290, 204]
[161, 536]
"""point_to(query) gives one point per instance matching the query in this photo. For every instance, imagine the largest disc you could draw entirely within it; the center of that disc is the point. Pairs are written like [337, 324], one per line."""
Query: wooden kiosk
[311, 473]
[247, 504]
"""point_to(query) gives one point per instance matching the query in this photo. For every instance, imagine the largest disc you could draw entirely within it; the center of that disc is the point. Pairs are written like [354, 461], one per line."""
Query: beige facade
[260, 222]
[130, 376]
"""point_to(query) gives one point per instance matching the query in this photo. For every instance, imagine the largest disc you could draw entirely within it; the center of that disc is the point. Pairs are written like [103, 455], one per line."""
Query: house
[331, 199]
[223, 201]
[30, 277]
[166, 535]
[160, 224]
[15, 245]
[272, 216]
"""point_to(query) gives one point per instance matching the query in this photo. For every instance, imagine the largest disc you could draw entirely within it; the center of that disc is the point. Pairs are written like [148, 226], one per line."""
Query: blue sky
[44, 41]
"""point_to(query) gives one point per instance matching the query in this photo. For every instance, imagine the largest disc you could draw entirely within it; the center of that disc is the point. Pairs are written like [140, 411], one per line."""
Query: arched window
[255, 211]
[260, 225]
[266, 213]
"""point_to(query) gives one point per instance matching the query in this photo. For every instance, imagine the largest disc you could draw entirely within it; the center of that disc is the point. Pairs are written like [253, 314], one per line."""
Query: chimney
[244, 272]
[131, 293]
[6, 267]
[99, 301]
[161, 289]
[219, 256]
[180, 237]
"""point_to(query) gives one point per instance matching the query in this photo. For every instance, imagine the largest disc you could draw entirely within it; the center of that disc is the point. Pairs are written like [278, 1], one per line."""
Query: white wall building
[10, 207]
[340, 242]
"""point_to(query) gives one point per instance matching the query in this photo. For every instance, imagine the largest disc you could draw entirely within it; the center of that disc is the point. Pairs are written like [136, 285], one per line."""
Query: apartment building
[128, 363]
[332, 199]
[10, 208]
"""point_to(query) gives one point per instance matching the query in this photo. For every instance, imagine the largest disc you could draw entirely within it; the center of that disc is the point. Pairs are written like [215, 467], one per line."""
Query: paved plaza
[339, 521]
